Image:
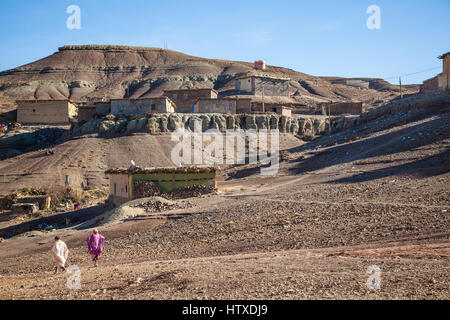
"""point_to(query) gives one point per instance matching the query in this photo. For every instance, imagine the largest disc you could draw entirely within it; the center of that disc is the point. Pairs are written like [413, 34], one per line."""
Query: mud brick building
[85, 113]
[123, 182]
[224, 105]
[341, 108]
[186, 98]
[256, 84]
[46, 111]
[131, 107]
[102, 108]
[441, 81]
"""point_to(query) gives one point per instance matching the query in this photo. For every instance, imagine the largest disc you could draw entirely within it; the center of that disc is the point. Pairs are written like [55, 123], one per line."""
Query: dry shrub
[60, 194]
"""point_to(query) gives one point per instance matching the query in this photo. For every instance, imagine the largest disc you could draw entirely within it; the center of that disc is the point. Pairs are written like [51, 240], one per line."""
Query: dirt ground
[371, 196]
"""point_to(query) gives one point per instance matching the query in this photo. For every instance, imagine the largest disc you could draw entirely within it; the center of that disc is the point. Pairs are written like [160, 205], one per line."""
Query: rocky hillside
[83, 73]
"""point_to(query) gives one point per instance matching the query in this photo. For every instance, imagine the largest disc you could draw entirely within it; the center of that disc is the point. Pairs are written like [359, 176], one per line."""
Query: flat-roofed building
[259, 85]
[102, 108]
[129, 107]
[186, 98]
[223, 105]
[46, 111]
[134, 183]
[442, 80]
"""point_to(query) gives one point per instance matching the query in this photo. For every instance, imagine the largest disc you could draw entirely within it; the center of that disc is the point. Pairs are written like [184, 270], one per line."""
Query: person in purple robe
[95, 245]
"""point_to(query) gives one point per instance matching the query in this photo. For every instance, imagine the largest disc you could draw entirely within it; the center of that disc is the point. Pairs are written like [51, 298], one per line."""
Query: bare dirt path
[293, 274]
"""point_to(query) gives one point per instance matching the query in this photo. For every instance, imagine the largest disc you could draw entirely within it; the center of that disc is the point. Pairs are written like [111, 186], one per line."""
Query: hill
[89, 72]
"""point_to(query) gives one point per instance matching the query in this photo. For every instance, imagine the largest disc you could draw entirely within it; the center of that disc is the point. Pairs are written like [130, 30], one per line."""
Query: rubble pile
[191, 191]
[144, 189]
[156, 204]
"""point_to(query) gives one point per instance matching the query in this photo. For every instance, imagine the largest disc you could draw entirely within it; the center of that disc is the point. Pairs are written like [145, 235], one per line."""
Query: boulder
[141, 124]
[24, 208]
[319, 126]
[218, 122]
[283, 124]
[164, 123]
[231, 124]
[90, 127]
[205, 122]
[131, 126]
[250, 123]
[153, 125]
[192, 120]
[273, 122]
[174, 122]
[294, 127]
[106, 126]
[262, 122]
[121, 125]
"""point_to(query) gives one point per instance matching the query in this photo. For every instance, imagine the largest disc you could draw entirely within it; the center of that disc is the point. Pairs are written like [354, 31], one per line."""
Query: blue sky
[323, 38]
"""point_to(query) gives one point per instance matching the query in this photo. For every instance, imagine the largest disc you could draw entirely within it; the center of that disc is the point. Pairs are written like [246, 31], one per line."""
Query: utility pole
[400, 81]
[329, 118]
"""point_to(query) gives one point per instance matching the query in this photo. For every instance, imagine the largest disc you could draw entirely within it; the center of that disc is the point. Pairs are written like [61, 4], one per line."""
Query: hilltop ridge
[89, 72]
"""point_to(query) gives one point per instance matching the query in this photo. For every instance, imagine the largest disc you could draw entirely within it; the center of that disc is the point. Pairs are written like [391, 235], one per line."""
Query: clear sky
[321, 37]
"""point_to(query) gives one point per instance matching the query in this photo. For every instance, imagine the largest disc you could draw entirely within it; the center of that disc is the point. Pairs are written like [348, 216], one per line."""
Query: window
[126, 189]
[115, 188]
[185, 96]
[174, 95]
[34, 110]
[153, 107]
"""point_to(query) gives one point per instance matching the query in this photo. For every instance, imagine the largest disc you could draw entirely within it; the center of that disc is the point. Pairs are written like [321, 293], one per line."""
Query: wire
[409, 74]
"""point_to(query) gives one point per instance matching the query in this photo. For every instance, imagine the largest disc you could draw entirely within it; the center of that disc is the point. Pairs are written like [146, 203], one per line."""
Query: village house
[444, 83]
[280, 109]
[442, 80]
[263, 85]
[85, 111]
[134, 183]
[129, 107]
[186, 98]
[334, 108]
[238, 104]
[223, 105]
[102, 108]
[46, 111]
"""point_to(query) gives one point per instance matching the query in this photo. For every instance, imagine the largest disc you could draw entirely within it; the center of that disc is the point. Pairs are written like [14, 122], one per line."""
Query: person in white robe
[60, 253]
